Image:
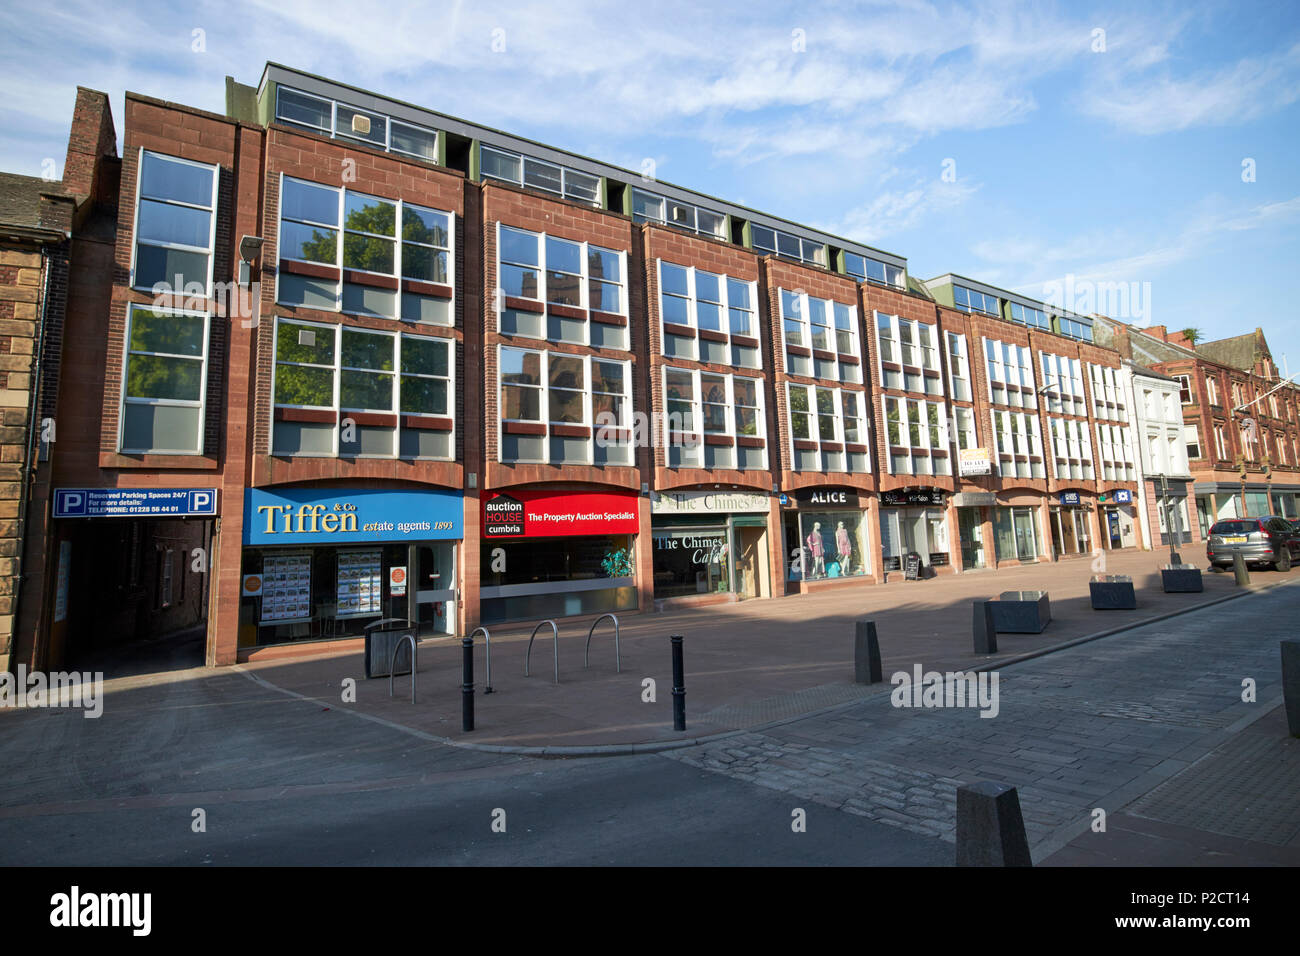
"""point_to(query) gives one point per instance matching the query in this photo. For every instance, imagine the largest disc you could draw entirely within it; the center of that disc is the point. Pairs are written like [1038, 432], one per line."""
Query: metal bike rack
[555, 635]
[487, 650]
[618, 661]
[392, 665]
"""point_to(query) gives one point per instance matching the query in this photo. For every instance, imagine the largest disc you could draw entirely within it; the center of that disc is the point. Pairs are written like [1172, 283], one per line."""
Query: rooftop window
[866, 269]
[968, 300]
[649, 207]
[788, 246]
[349, 122]
[533, 173]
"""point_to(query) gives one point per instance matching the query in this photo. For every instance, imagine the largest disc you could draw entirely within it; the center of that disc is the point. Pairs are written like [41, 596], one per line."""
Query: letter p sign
[69, 504]
[203, 502]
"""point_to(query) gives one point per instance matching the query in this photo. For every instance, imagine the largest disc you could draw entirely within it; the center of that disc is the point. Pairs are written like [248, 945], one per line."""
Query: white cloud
[897, 211]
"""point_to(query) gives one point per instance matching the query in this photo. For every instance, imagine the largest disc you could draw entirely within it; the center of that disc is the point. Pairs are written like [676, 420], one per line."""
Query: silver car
[1264, 540]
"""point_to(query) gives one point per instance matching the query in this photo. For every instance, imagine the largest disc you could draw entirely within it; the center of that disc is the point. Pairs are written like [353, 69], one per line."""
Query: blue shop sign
[1069, 497]
[291, 516]
[1124, 496]
[135, 502]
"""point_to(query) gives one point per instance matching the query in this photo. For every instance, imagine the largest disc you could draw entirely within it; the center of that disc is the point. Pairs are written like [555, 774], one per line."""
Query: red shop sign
[533, 514]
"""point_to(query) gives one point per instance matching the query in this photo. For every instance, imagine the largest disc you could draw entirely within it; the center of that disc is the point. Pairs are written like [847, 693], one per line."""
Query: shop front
[1069, 519]
[557, 553]
[1118, 519]
[1217, 500]
[710, 543]
[1015, 533]
[322, 563]
[825, 534]
[913, 521]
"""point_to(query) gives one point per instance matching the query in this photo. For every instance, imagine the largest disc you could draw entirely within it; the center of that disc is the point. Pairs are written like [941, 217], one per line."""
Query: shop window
[165, 388]
[920, 531]
[564, 409]
[824, 337]
[175, 225]
[1015, 534]
[708, 317]
[714, 420]
[585, 284]
[555, 577]
[397, 255]
[364, 368]
[829, 544]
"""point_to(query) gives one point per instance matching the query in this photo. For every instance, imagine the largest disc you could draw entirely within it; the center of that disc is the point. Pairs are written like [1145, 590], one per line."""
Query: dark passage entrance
[130, 595]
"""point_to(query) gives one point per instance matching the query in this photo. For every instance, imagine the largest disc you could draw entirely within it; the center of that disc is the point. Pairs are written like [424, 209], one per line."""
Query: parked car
[1267, 539]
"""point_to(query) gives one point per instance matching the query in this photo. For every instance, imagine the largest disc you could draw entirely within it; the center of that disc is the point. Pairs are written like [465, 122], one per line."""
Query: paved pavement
[747, 664]
[1096, 726]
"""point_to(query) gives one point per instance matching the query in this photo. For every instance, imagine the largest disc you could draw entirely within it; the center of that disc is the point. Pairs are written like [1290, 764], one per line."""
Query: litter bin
[381, 638]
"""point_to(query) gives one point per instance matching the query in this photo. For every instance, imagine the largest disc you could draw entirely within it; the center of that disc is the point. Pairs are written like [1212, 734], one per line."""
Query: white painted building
[1164, 472]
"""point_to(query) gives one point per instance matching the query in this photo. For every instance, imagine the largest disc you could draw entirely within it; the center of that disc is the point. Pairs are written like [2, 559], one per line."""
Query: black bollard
[467, 684]
[866, 654]
[679, 684]
[986, 632]
[990, 828]
[1239, 568]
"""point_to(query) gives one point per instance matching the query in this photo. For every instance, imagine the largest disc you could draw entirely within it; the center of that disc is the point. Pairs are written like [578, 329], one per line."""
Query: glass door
[434, 564]
[1026, 539]
[970, 527]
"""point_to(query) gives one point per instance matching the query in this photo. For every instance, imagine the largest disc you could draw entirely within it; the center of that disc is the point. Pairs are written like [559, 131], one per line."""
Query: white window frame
[1018, 424]
[136, 241]
[984, 308]
[1066, 374]
[1115, 452]
[1008, 356]
[201, 404]
[692, 315]
[1040, 319]
[341, 229]
[662, 217]
[958, 366]
[803, 317]
[1071, 441]
[697, 413]
[544, 406]
[450, 345]
[814, 431]
[928, 442]
[819, 256]
[1107, 389]
[524, 160]
[1196, 439]
[919, 344]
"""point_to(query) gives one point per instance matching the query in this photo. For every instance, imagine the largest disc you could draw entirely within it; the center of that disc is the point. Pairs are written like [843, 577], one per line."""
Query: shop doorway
[434, 581]
[970, 527]
[752, 572]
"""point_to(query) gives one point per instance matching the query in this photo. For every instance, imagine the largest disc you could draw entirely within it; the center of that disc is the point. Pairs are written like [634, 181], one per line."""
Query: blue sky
[1112, 156]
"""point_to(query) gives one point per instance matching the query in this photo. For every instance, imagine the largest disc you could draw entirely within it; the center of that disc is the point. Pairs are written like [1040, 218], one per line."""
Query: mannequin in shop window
[817, 551]
[844, 547]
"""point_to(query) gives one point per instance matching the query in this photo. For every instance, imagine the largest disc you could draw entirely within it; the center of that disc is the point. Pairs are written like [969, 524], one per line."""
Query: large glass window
[1115, 451]
[908, 355]
[558, 408]
[826, 329]
[826, 544]
[1107, 393]
[917, 433]
[708, 317]
[585, 281]
[1028, 315]
[729, 409]
[175, 224]
[378, 241]
[1010, 374]
[1072, 448]
[1019, 442]
[166, 377]
[1015, 534]
[968, 300]
[827, 429]
[958, 368]
[1063, 377]
[383, 394]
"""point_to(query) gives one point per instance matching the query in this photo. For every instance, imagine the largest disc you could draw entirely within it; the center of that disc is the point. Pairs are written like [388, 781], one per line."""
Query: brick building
[1241, 418]
[346, 358]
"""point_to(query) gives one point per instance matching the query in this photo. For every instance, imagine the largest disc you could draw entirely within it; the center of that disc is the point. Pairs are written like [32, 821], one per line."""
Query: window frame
[775, 249]
[803, 318]
[697, 415]
[136, 241]
[969, 307]
[124, 399]
[1031, 433]
[724, 313]
[866, 276]
[928, 442]
[522, 182]
[840, 430]
[930, 350]
[332, 130]
[544, 407]
[1024, 367]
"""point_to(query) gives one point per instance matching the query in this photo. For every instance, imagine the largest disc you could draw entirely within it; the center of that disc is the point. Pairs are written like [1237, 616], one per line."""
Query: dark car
[1263, 540]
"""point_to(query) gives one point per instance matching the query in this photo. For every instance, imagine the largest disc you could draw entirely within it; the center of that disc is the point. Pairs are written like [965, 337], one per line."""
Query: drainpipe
[29, 464]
